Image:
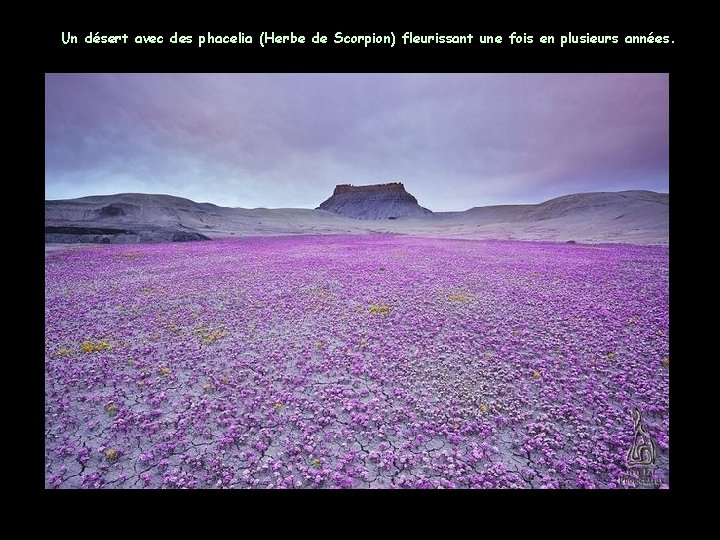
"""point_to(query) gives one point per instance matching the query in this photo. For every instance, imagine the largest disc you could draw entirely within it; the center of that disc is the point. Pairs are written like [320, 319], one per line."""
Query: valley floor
[355, 362]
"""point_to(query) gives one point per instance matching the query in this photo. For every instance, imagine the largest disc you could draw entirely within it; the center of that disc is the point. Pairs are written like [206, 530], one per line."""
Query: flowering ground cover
[363, 361]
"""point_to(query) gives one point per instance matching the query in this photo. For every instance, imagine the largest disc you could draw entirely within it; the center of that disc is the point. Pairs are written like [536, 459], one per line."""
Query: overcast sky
[285, 140]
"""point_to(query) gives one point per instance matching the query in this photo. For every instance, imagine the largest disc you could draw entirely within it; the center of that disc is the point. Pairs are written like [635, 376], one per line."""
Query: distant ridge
[637, 217]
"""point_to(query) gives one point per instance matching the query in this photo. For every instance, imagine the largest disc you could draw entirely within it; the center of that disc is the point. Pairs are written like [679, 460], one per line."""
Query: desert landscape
[347, 355]
[472, 325]
[622, 217]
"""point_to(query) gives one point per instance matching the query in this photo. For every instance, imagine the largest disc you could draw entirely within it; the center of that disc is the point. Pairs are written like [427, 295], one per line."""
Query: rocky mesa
[374, 202]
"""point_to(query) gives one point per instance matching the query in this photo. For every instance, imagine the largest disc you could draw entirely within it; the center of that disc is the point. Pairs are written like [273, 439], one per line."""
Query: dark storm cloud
[285, 140]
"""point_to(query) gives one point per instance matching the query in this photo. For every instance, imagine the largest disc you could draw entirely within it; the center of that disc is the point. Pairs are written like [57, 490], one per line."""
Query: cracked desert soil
[363, 362]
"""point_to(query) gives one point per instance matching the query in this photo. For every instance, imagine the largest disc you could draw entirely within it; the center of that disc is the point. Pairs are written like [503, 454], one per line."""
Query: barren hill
[639, 217]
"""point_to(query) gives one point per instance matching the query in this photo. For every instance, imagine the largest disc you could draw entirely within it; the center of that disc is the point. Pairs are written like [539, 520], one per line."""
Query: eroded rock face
[375, 201]
[78, 234]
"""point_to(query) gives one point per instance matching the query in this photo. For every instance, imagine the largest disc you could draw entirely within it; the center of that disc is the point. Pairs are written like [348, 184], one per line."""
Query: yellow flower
[483, 408]
[315, 462]
[111, 408]
[278, 406]
[536, 374]
[380, 309]
[208, 337]
[164, 371]
[95, 346]
[111, 454]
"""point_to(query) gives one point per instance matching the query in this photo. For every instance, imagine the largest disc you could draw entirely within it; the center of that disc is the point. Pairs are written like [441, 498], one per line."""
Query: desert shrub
[380, 309]
[95, 346]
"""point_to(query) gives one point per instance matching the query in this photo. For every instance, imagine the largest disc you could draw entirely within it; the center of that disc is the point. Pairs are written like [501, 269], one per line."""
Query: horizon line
[315, 208]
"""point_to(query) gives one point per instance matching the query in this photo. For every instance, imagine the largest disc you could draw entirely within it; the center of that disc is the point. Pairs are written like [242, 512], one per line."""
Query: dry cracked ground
[354, 362]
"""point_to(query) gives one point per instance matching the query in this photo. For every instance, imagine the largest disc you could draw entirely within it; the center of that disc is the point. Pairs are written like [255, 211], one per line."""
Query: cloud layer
[285, 140]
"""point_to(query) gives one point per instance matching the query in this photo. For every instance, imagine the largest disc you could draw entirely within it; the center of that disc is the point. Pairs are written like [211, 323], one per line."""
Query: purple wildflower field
[353, 362]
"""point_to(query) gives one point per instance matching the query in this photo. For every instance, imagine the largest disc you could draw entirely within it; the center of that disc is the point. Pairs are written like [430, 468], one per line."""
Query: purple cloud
[285, 140]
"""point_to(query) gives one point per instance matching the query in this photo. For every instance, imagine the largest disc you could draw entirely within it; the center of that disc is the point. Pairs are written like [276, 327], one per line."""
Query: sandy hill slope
[640, 217]
[140, 217]
[627, 216]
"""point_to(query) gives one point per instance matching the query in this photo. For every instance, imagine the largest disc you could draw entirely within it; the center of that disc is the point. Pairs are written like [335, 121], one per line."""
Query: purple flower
[436, 391]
